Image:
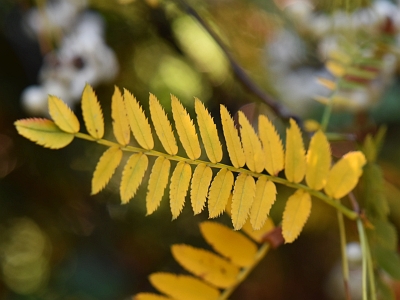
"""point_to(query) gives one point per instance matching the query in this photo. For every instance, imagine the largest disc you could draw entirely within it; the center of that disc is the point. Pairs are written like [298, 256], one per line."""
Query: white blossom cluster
[81, 57]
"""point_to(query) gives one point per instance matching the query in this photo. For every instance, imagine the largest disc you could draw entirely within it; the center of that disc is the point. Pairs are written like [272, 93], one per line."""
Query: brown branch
[279, 109]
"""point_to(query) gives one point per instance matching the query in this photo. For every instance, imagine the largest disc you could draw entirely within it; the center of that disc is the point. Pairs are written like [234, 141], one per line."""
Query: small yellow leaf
[183, 287]
[318, 161]
[157, 183]
[272, 146]
[62, 115]
[162, 126]
[231, 244]
[92, 114]
[149, 296]
[295, 215]
[105, 168]
[43, 132]
[219, 193]
[242, 199]
[295, 160]
[329, 84]
[208, 132]
[344, 175]
[120, 119]
[132, 176]
[232, 139]
[251, 145]
[199, 187]
[258, 235]
[335, 68]
[208, 266]
[185, 128]
[138, 122]
[263, 200]
[180, 180]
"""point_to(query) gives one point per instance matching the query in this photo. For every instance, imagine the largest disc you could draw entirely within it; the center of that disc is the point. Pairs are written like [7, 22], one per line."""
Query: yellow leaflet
[185, 128]
[335, 68]
[329, 84]
[105, 168]
[232, 139]
[272, 146]
[132, 176]
[208, 132]
[62, 115]
[183, 287]
[219, 193]
[149, 296]
[251, 145]
[120, 120]
[295, 160]
[318, 161]
[230, 244]
[200, 182]
[263, 200]
[258, 235]
[92, 114]
[344, 175]
[179, 185]
[242, 199]
[295, 215]
[157, 183]
[162, 126]
[43, 132]
[206, 265]
[138, 122]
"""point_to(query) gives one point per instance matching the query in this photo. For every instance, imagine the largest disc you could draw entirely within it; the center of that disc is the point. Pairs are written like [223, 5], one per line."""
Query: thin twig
[279, 109]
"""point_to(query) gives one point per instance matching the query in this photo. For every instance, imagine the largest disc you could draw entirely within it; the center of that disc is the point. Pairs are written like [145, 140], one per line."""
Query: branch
[279, 109]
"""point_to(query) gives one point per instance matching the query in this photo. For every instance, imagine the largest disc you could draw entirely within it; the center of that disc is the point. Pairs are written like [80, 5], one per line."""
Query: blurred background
[58, 242]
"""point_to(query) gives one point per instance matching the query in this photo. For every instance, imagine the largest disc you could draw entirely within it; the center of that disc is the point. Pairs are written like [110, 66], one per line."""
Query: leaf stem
[262, 251]
[345, 263]
[330, 201]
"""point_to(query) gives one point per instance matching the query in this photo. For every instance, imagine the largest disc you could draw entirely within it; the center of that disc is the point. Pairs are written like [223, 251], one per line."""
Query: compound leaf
[183, 287]
[231, 244]
[199, 187]
[162, 126]
[295, 215]
[344, 175]
[242, 199]
[62, 115]
[180, 180]
[272, 146]
[208, 132]
[138, 122]
[232, 139]
[206, 265]
[265, 196]
[105, 168]
[92, 114]
[295, 161]
[219, 193]
[251, 145]
[132, 176]
[318, 161]
[185, 128]
[157, 183]
[43, 132]
[121, 129]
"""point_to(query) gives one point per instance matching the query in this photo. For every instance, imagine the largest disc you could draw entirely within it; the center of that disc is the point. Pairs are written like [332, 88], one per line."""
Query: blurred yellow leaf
[230, 244]
[149, 296]
[295, 161]
[259, 234]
